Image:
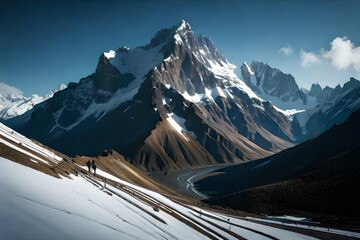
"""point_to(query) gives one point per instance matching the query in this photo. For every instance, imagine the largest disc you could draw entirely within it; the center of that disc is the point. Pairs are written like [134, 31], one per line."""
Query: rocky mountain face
[274, 85]
[282, 90]
[328, 94]
[175, 103]
[14, 103]
[316, 120]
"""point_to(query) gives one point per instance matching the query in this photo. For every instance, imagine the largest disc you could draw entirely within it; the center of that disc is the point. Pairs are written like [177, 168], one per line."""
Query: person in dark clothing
[88, 165]
[93, 165]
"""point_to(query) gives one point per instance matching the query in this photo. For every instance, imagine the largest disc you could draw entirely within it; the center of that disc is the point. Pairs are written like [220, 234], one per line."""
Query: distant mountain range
[339, 104]
[282, 90]
[14, 103]
[177, 103]
[328, 94]
[312, 111]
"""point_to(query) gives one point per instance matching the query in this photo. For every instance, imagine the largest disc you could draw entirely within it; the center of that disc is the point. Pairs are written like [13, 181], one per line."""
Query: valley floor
[183, 181]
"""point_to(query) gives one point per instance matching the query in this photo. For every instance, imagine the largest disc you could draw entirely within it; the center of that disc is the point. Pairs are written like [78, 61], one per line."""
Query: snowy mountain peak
[13, 103]
[110, 54]
[61, 87]
[202, 72]
[184, 25]
[125, 68]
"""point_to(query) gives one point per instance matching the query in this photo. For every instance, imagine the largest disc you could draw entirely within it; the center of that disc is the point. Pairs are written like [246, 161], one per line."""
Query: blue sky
[45, 43]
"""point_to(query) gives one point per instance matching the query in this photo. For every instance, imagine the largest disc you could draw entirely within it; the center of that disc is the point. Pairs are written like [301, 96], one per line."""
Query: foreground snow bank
[37, 206]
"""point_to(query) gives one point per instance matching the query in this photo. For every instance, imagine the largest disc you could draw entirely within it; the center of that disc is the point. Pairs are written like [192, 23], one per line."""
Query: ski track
[242, 230]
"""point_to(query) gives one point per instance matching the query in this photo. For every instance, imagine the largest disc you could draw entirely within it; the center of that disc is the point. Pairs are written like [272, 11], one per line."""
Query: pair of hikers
[91, 164]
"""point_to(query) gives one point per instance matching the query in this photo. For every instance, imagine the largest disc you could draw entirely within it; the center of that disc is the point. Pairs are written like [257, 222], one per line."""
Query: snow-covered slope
[13, 103]
[76, 209]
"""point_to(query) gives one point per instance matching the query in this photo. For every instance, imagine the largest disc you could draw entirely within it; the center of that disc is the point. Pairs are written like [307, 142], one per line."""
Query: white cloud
[287, 50]
[342, 55]
[308, 58]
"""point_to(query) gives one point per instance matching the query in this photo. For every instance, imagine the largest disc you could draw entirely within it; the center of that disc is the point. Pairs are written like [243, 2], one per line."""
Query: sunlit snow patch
[178, 123]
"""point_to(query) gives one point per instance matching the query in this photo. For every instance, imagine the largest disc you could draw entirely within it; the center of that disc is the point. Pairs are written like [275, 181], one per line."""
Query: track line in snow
[134, 204]
[218, 218]
[228, 231]
[306, 231]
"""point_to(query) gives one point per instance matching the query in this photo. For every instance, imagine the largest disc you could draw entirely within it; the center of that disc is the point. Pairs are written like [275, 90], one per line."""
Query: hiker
[88, 165]
[93, 165]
